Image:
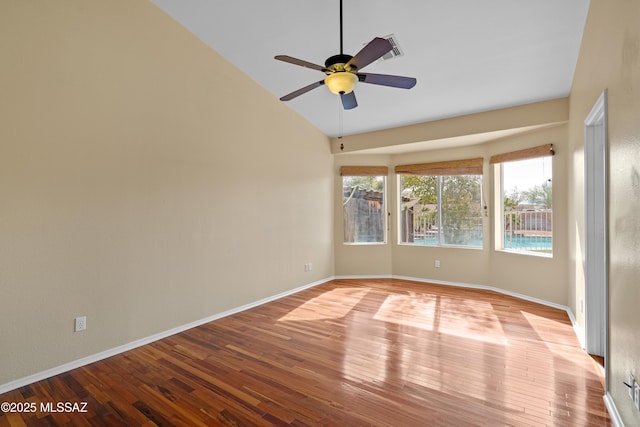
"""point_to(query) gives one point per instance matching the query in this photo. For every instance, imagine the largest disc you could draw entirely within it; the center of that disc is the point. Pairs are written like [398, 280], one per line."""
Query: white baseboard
[471, 286]
[21, 382]
[577, 329]
[616, 420]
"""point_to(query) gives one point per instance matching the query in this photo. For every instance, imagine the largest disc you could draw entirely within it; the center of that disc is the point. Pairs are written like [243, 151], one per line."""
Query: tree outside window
[441, 210]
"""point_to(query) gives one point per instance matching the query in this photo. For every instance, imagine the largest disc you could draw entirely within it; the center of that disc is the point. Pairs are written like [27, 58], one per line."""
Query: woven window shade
[528, 153]
[364, 171]
[453, 167]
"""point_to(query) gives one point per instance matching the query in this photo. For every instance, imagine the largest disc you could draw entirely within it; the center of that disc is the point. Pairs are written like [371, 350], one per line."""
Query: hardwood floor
[345, 353]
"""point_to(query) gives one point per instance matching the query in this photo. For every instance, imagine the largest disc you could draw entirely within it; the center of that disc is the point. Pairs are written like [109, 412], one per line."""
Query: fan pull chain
[340, 119]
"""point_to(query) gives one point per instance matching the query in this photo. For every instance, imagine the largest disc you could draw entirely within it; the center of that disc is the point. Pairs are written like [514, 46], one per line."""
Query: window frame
[441, 171]
[498, 162]
[367, 171]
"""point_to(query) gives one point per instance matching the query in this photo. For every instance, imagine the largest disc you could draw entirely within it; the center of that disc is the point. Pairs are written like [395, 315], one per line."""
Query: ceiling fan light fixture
[344, 71]
[341, 82]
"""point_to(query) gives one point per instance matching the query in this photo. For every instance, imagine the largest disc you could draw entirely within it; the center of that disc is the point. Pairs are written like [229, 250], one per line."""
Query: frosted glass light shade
[341, 82]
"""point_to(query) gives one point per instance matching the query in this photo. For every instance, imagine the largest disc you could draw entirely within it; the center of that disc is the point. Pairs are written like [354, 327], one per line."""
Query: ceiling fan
[343, 71]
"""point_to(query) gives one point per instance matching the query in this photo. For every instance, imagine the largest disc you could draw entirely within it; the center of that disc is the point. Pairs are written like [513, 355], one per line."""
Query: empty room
[330, 213]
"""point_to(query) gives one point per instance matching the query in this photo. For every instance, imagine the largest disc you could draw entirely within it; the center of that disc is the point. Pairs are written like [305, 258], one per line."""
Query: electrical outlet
[80, 323]
[636, 395]
[437, 263]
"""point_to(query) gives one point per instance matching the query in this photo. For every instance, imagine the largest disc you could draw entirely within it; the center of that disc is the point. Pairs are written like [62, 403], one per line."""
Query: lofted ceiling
[468, 56]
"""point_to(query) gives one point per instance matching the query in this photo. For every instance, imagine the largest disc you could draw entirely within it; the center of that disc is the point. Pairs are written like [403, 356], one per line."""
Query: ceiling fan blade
[371, 52]
[387, 80]
[301, 91]
[300, 62]
[349, 100]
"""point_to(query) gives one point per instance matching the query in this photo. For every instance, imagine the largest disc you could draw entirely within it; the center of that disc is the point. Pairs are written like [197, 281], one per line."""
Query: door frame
[596, 228]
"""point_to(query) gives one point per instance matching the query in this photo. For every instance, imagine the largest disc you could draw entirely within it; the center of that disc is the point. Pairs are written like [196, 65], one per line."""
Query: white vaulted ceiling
[468, 56]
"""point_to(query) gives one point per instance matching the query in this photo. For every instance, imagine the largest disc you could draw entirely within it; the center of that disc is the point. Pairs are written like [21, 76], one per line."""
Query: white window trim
[385, 225]
[500, 235]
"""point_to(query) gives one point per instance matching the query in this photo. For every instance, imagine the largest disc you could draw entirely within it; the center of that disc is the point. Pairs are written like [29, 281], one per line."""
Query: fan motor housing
[337, 62]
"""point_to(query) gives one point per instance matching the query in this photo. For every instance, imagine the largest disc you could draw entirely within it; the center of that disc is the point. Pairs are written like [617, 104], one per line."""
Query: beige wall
[472, 127]
[610, 59]
[144, 182]
[539, 277]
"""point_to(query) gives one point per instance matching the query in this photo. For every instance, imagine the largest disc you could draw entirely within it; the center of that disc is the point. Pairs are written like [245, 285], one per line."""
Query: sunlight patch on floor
[409, 311]
[464, 318]
[333, 304]
[551, 331]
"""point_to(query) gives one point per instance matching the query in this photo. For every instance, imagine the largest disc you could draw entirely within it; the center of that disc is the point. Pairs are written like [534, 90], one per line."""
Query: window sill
[533, 254]
[364, 244]
[417, 245]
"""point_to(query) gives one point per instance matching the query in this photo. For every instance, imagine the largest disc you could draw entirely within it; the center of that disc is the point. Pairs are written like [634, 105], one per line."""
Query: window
[441, 203]
[363, 204]
[526, 200]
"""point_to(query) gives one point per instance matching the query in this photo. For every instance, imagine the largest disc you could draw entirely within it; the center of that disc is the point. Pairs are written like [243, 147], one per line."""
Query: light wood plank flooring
[346, 353]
